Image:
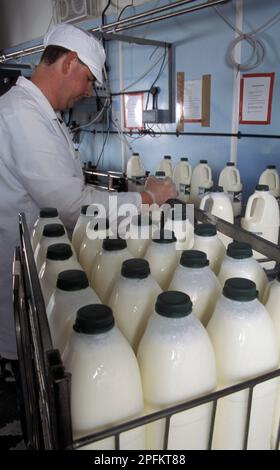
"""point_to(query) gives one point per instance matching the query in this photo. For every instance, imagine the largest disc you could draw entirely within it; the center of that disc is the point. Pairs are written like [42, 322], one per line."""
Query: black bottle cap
[239, 250]
[230, 164]
[205, 230]
[271, 167]
[164, 236]
[59, 251]
[160, 173]
[72, 280]
[53, 230]
[241, 289]
[167, 157]
[135, 268]
[173, 304]
[114, 244]
[184, 159]
[94, 319]
[262, 187]
[203, 161]
[194, 259]
[48, 212]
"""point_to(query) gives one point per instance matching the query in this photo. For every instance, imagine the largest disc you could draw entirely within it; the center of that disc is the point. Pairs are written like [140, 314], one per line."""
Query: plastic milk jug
[59, 258]
[270, 177]
[201, 182]
[133, 299]
[272, 302]
[229, 180]
[105, 385]
[262, 218]
[88, 213]
[107, 266]
[239, 262]
[206, 239]
[245, 344]
[194, 277]
[166, 166]
[72, 292]
[182, 175]
[48, 215]
[177, 364]
[219, 204]
[135, 167]
[52, 233]
[92, 243]
[162, 257]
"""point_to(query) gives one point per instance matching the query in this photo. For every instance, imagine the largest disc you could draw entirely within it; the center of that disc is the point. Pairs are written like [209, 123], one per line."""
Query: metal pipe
[239, 135]
[122, 24]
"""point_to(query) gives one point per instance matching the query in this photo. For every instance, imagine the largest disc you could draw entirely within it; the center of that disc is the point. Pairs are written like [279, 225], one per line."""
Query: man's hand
[159, 191]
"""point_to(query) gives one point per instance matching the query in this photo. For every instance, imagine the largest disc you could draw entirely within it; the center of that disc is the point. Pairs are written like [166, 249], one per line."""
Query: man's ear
[69, 60]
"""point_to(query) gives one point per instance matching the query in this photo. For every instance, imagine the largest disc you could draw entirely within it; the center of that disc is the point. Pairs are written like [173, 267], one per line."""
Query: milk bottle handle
[204, 199]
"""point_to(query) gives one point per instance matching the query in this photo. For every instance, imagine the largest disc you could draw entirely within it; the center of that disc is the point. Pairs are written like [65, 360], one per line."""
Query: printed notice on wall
[192, 100]
[256, 93]
[133, 106]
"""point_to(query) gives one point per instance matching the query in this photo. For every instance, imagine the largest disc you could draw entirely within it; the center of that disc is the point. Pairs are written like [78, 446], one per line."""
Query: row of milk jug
[74, 284]
[124, 386]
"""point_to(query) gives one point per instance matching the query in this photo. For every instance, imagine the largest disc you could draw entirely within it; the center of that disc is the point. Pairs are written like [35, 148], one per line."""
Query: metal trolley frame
[45, 385]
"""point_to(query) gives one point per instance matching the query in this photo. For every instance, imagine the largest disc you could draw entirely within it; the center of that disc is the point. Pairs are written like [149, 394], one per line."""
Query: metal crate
[46, 385]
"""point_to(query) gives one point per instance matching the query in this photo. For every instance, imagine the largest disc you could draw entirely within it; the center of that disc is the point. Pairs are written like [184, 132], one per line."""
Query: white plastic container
[88, 213]
[166, 166]
[177, 364]
[272, 302]
[48, 215]
[182, 175]
[59, 258]
[206, 240]
[135, 167]
[201, 182]
[105, 385]
[270, 177]
[194, 277]
[141, 231]
[262, 218]
[52, 233]
[239, 262]
[245, 345]
[162, 257]
[133, 299]
[219, 204]
[107, 267]
[92, 244]
[72, 292]
[229, 180]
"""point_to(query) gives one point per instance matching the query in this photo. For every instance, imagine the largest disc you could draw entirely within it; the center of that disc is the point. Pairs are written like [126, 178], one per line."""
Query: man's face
[79, 84]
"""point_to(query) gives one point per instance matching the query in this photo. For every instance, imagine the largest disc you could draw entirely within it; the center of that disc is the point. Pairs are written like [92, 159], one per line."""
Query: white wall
[23, 20]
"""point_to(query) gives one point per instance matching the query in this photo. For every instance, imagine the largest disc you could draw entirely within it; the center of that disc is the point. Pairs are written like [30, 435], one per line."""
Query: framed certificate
[256, 91]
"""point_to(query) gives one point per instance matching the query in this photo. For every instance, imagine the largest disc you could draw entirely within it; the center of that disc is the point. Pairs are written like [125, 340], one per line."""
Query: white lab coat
[38, 168]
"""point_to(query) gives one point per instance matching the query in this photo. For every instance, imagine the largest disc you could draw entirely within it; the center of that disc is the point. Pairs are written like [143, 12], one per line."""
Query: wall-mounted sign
[133, 107]
[256, 91]
[192, 100]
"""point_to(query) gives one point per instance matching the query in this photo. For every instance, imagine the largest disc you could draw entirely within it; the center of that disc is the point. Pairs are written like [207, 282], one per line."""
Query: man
[38, 164]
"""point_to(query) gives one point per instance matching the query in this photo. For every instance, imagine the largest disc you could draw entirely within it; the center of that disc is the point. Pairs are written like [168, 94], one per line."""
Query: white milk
[201, 182]
[59, 258]
[239, 262]
[135, 167]
[262, 218]
[206, 240]
[166, 166]
[88, 214]
[229, 180]
[194, 277]
[140, 230]
[162, 257]
[245, 345]
[270, 177]
[72, 292]
[48, 215]
[219, 204]
[107, 267]
[52, 233]
[177, 364]
[272, 302]
[133, 299]
[105, 385]
[92, 243]
[182, 175]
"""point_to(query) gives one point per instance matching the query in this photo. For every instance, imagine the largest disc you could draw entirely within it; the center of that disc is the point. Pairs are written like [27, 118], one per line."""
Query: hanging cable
[258, 48]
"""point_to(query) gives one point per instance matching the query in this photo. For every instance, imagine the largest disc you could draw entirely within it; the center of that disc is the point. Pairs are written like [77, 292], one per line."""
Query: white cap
[90, 51]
